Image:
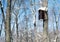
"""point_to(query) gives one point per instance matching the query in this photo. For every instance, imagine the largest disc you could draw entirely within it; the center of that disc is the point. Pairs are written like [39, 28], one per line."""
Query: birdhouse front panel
[42, 14]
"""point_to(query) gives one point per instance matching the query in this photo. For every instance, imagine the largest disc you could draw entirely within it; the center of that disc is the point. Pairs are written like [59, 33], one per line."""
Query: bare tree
[0, 29]
[45, 20]
[8, 20]
[15, 10]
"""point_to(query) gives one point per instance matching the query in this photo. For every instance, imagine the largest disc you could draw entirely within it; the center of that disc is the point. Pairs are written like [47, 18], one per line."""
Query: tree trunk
[0, 29]
[45, 28]
[44, 3]
[7, 23]
[45, 31]
[17, 27]
[45, 21]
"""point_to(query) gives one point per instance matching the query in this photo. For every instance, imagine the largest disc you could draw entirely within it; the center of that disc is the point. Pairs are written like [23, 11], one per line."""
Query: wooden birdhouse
[42, 13]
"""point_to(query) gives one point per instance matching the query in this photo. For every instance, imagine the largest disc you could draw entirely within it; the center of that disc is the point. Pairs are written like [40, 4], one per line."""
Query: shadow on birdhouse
[42, 14]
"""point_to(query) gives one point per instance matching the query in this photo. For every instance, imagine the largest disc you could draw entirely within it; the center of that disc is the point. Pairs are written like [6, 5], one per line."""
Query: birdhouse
[42, 13]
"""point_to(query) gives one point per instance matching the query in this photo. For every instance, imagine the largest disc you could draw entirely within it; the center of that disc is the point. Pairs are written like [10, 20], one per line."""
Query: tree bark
[17, 27]
[45, 21]
[45, 28]
[7, 22]
[45, 3]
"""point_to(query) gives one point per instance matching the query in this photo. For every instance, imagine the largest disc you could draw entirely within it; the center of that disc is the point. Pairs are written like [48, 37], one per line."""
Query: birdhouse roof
[43, 8]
